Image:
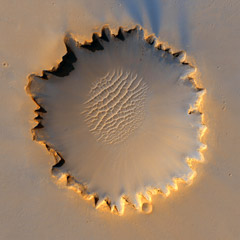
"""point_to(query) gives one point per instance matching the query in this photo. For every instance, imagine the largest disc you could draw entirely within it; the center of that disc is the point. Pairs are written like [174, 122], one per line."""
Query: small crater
[147, 208]
[5, 64]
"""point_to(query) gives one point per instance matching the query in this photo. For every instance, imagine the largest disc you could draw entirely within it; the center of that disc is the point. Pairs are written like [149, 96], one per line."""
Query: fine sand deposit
[155, 116]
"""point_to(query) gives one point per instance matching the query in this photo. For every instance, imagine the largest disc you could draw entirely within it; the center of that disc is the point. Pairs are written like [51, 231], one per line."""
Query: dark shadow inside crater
[95, 45]
[65, 66]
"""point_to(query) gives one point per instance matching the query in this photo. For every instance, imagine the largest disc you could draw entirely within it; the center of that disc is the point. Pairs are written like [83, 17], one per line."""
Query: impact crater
[121, 116]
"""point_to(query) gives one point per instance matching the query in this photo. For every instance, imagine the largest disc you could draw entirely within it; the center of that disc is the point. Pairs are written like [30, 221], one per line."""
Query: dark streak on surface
[159, 47]
[131, 30]
[40, 110]
[150, 40]
[199, 89]
[39, 126]
[65, 66]
[96, 199]
[44, 76]
[59, 164]
[120, 34]
[104, 35]
[38, 117]
[177, 54]
[94, 45]
[108, 202]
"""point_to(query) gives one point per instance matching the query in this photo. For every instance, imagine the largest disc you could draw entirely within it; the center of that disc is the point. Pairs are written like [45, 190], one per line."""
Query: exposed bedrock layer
[120, 114]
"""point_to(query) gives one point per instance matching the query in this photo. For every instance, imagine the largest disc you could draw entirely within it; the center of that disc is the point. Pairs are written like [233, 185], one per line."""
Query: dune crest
[116, 106]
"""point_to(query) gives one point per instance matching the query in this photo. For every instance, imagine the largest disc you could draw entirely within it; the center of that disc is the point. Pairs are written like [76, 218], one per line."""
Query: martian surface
[120, 119]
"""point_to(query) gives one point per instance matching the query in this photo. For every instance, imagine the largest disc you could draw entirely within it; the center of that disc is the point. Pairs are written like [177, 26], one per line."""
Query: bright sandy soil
[32, 206]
